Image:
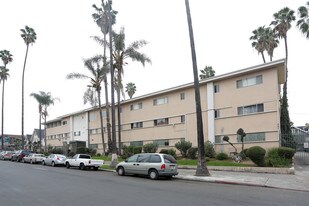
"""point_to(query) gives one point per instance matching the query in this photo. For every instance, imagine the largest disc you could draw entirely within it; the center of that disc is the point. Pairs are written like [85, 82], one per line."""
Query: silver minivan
[153, 165]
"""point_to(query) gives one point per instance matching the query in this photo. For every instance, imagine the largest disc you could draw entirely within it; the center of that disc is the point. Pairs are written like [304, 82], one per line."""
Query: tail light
[163, 167]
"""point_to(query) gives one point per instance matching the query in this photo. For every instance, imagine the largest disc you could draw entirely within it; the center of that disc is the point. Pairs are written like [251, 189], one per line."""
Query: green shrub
[81, 150]
[222, 156]
[257, 155]
[137, 149]
[169, 151]
[286, 152]
[243, 155]
[192, 153]
[99, 154]
[71, 154]
[183, 146]
[275, 160]
[150, 148]
[210, 149]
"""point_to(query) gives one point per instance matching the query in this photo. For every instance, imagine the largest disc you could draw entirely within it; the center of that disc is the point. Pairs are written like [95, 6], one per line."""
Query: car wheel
[153, 174]
[23, 161]
[43, 162]
[31, 162]
[67, 165]
[53, 164]
[120, 171]
[82, 166]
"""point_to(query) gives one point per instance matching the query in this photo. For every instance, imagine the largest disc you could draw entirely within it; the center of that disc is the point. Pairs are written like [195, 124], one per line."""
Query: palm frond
[77, 76]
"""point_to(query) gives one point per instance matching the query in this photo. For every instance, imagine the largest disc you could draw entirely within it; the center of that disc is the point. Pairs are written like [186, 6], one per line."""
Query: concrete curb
[270, 170]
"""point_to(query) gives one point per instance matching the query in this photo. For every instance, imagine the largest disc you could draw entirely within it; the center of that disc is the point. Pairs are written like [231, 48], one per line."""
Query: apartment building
[246, 98]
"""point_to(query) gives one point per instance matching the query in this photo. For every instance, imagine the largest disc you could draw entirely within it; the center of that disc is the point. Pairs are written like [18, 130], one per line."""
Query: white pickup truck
[83, 161]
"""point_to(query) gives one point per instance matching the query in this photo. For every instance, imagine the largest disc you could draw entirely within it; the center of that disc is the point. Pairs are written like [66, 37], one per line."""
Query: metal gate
[302, 148]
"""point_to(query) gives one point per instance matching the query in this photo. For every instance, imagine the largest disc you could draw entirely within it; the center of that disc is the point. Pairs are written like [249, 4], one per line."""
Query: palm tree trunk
[101, 120]
[40, 137]
[108, 122]
[112, 75]
[263, 57]
[45, 142]
[22, 101]
[119, 122]
[2, 135]
[201, 169]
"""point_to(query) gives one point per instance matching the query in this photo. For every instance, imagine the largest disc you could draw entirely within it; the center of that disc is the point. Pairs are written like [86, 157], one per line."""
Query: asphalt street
[36, 185]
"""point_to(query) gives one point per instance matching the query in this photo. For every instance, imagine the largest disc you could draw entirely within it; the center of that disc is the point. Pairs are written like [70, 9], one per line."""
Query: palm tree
[41, 99]
[29, 37]
[271, 39]
[201, 169]
[120, 54]
[303, 22]
[6, 58]
[97, 73]
[207, 72]
[130, 89]
[282, 24]
[258, 41]
[101, 18]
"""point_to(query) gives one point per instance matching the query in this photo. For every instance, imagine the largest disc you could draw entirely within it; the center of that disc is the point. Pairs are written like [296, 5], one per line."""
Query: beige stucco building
[247, 98]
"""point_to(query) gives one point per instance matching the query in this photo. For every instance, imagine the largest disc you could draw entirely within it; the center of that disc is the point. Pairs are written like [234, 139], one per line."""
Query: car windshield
[169, 159]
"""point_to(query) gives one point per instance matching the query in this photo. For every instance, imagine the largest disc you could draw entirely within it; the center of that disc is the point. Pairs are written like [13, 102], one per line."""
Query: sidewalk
[297, 181]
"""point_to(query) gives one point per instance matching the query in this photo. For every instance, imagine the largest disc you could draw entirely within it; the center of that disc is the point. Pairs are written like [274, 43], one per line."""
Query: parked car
[54, 160]
[33, 158]
[153, 165]
[18, 155]
[83, 161]
[6, 155]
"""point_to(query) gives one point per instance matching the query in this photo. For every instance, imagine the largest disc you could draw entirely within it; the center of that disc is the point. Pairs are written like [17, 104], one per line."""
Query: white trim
[210, 113]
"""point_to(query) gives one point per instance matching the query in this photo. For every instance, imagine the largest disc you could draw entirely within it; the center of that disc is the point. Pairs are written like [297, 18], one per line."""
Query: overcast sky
[222, 30]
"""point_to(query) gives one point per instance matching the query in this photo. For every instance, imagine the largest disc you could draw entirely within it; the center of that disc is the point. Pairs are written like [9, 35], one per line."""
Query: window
[253, 137]
[136, 143]
[249, 81]
[217, 113]
[155, 159]
[161, 121]
[136, 125]
[143, 158]
[64, 122]
[93, 146]
[218, 139]
[216, 88]
[104, 114]
[162, 142]
[136, 106]
[92, 117]
[93, 131]
[250, 109]
[182, 118]
[77, 133]
[182, 96]
[159, 101]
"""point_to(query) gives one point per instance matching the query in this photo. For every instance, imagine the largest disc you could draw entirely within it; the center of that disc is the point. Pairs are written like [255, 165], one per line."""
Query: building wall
[141, 116]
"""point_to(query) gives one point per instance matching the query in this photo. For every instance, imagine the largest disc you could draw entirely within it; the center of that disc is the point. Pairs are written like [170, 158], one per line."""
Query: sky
[64, 28]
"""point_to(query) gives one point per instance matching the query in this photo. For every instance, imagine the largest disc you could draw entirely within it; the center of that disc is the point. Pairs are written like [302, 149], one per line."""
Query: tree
[97, 73]
[41, 99]
[120, 54]
[29, 37]
[303, 22]
[201, 169]
[6, 58]
[242, 135]
[101, 18]
[207, 72]
[282, 24]
[272, 42]
[130, 89]
[258, 41]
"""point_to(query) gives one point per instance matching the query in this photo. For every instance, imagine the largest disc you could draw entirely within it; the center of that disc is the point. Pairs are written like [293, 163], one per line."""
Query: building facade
[247, 99]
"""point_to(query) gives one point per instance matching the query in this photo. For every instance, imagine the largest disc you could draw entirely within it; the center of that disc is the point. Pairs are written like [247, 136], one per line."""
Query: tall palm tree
[120, 54]
[207, 72]
[6, 58]
[130, 89]
[201, 169]
[282, 24]
[29, 37]
[271, 39]
[97, 73]
[303, 22]
[41, 99]
[101, 18]
[258, 41]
